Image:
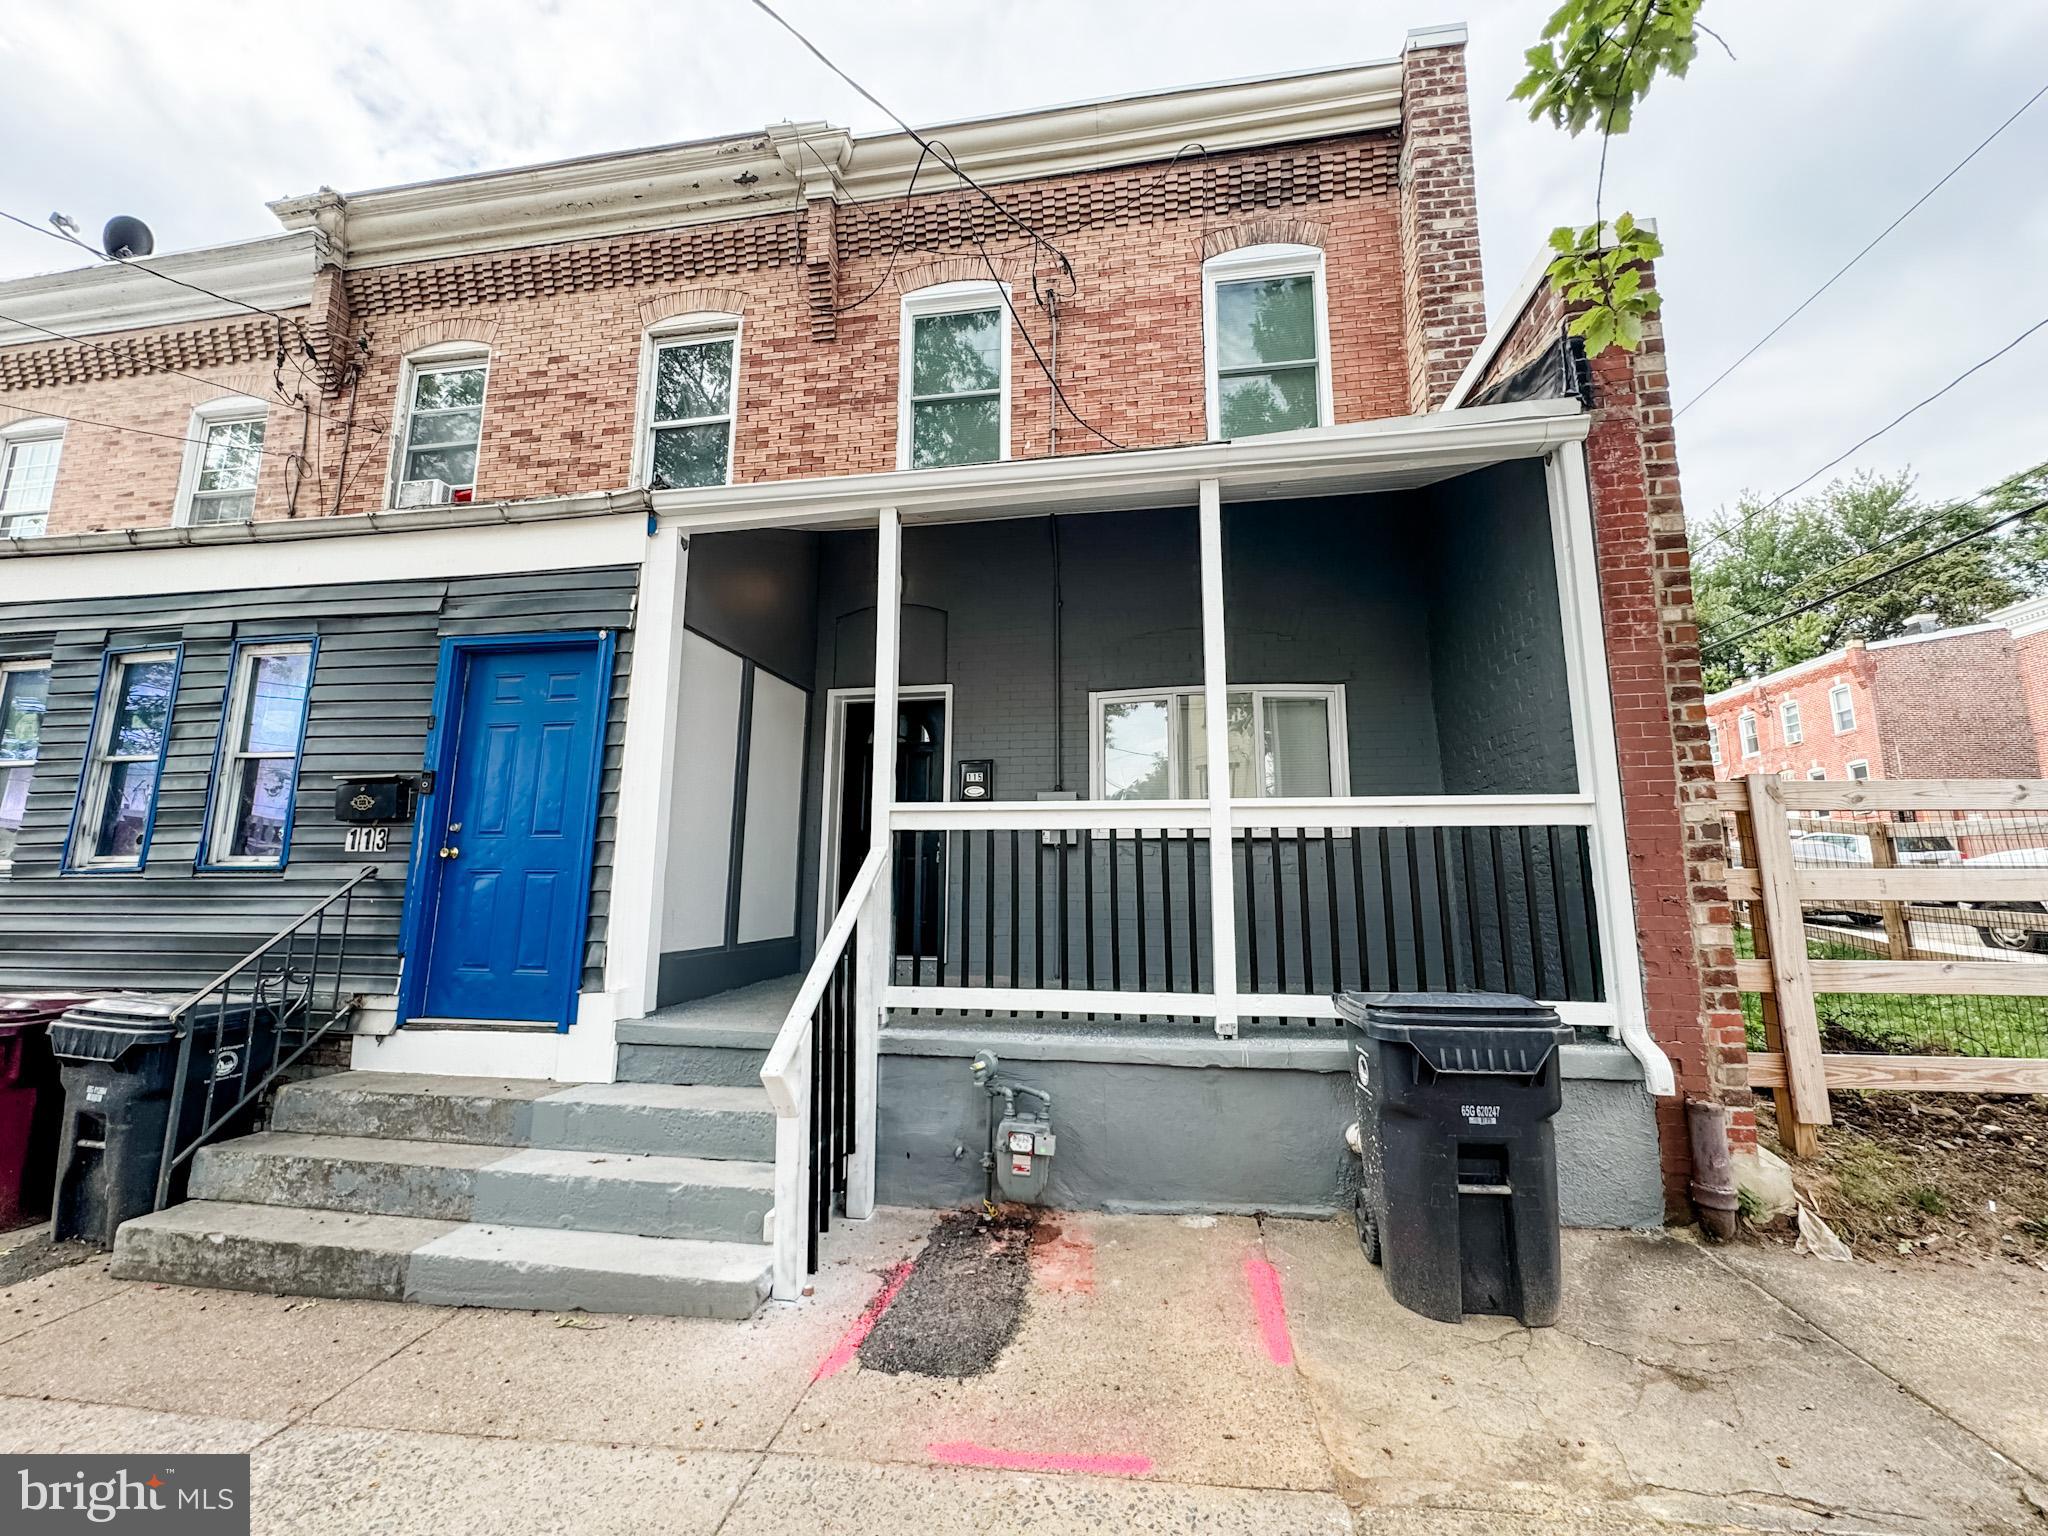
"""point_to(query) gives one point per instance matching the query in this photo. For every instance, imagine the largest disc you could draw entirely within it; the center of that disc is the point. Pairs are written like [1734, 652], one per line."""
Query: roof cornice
[717, 179]
[275, 272]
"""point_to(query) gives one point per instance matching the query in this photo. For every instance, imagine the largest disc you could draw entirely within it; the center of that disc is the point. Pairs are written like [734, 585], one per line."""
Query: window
[687, 404]
[1859, 769]
[1284, 742]
[256, 768]
[1714, 743]
[28, 476]
[1817, 774]
[219, 480]
[1788, 721]
[1745, 727]
[443, 405]
[24, 694]
[1266, 334]
[954, 405]
[131, 728]
[1843, 708]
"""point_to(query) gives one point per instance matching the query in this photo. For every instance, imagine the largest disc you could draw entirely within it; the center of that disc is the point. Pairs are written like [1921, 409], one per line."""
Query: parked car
[2025, 927]
[1846, 849]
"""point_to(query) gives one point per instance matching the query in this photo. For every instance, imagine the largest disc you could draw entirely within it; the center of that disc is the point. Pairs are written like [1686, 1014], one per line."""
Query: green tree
[1764, 561]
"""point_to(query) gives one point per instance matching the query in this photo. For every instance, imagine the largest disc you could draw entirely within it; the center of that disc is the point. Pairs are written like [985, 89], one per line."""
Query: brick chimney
[1443, 294]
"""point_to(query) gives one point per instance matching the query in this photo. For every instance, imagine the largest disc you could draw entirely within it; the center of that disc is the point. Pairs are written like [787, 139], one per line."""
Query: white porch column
[872, 939]
[1216, 720]
[640, 857]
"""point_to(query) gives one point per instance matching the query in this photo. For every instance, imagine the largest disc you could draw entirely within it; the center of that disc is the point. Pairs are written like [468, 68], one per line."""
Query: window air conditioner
[425, 493]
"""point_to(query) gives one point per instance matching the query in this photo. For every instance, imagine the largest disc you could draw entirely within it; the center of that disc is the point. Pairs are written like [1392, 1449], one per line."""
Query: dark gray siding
[170, 927]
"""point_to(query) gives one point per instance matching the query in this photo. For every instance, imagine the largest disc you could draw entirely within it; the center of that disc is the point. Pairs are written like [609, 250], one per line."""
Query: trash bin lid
[23, 1010]
[107, 1028]
[1498, 1033]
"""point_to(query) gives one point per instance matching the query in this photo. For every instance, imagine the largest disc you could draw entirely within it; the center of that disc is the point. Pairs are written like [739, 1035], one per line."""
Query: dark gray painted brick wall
[170, 927]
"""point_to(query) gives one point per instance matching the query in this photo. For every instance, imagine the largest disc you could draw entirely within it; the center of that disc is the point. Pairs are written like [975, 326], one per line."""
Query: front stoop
[482, 1192]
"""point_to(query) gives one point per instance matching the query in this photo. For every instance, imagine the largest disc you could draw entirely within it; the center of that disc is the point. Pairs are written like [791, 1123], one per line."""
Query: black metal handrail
[280, 998]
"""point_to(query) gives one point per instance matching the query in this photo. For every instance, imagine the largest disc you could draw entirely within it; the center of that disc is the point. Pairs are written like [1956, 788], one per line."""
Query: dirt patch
[964, 1300]
[1930, 1175]
[37, 1255]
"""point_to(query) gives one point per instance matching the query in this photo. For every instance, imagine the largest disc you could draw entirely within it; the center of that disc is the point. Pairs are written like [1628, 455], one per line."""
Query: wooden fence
[1769, 873]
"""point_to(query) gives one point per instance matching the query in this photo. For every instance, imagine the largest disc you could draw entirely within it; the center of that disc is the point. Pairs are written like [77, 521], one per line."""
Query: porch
[1397, 654]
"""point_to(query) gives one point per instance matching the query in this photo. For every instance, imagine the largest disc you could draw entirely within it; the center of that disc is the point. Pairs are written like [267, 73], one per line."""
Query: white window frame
[8, 764]
[1747, 736]
[214, 413]
[1332, 694]
[1249, 263]
[447, 356]
[1816, 776]
[1842, 701]
[228, 757]
[1714, 743]
[1790, 726]
[19, 434]
[950, 299]
[1856, 763]
[682, 330]
[92, 789]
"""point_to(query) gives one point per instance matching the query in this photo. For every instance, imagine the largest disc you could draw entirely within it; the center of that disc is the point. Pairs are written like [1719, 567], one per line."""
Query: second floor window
[690, 418]
[444, 420]
[1714, 744]
[1843, 707]
[28, 480]
[1788, 720]
[125, 760]
[955, 388]
[24, 694]
[226, 452]
[1267, 330]
[1745, 727]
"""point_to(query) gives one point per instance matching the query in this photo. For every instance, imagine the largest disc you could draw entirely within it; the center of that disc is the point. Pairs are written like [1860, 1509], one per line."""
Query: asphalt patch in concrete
[963, 1303]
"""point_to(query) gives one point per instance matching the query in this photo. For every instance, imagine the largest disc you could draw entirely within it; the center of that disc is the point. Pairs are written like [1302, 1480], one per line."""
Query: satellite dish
[125, 237]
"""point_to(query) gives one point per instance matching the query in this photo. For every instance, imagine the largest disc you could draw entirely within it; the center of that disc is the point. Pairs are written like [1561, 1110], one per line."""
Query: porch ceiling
[1400, 453]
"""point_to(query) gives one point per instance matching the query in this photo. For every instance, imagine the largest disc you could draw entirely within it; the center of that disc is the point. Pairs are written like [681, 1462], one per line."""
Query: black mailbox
[375, 797]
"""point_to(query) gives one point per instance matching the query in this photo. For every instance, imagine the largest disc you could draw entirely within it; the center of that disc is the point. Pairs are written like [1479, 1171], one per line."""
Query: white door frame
[836, 700]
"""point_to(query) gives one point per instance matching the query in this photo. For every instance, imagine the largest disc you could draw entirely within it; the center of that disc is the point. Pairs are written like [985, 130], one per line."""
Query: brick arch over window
[691, 301]
[1236, 237]
[433, 333]
[955, 269]
[254, 383]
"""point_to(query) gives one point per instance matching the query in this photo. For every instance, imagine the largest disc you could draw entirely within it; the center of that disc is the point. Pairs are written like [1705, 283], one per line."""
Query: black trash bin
[1458, 1204]
[118, 1058]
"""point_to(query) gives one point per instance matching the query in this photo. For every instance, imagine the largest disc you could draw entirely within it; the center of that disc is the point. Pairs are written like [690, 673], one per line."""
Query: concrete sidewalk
[1166, 1374]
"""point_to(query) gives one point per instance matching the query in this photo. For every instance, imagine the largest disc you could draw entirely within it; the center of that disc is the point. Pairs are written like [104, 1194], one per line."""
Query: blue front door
[510, 872]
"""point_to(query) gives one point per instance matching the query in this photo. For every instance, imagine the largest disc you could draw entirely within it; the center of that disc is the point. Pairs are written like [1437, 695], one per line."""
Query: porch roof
[1397, 453]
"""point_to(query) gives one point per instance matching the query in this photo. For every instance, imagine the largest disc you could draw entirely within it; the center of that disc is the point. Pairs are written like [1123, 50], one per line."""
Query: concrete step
[734, 1063]
[660, 1119]
[586, 1191]
[283, 1250]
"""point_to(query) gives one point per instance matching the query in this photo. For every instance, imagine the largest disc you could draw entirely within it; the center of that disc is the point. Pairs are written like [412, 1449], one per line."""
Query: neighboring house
[608, 503]
[1931, 704]
[2027, 622]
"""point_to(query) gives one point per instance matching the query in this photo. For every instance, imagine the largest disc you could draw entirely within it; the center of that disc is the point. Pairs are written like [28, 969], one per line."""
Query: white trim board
[586, 1053]
[360, 554]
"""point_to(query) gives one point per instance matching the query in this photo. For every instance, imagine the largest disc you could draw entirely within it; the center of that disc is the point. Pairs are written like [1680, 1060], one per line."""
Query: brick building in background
[684, 462]
[1934, 704]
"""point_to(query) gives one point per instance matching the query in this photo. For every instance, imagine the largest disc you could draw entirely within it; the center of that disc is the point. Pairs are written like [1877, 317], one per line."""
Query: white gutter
[1396, 454]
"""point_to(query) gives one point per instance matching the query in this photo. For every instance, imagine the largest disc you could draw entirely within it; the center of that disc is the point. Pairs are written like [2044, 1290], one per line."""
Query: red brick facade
[1903, 697]
[1677, 858]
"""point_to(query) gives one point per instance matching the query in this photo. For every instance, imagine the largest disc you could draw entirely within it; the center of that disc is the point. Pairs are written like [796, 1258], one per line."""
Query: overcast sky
[1764, 173]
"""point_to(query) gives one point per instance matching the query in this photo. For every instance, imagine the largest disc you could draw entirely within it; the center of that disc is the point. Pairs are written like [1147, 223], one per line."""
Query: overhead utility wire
[130, 261]
[1911, 209]
[945, 157]
[1719, 648]
[1722, 535]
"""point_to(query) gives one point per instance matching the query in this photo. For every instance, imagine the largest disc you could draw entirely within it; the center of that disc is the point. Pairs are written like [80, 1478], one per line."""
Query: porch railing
[293, 985]
[820, 1077]
[1107, 909]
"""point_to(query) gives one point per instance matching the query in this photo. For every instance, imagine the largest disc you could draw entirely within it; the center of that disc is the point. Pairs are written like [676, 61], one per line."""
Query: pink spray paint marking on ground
[965, 1453]
[1270, 1310]
[850, 1341]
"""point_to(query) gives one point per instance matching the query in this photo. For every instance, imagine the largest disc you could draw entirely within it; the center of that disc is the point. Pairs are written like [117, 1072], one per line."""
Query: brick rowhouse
[816, 282]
